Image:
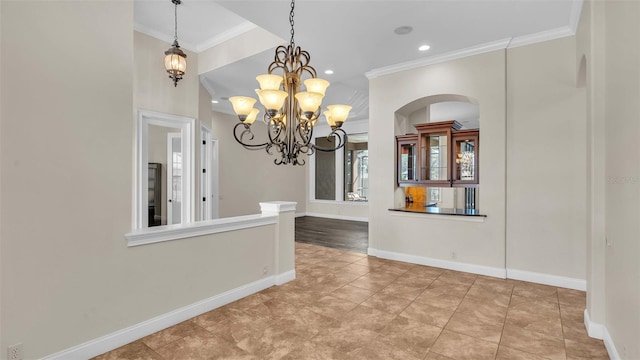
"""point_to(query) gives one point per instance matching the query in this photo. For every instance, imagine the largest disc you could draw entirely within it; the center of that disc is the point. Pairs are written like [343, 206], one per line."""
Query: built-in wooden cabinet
[439, 155]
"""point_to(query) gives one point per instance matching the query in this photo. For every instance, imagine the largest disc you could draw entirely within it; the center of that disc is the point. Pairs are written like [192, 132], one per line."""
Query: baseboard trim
[122, 337]
[594, 330]
[285, 277]
[546, 279]
[337, 217]
[608, 343]
[451, 265]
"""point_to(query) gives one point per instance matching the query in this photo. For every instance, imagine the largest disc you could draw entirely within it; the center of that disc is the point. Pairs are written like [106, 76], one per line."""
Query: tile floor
[347, 305]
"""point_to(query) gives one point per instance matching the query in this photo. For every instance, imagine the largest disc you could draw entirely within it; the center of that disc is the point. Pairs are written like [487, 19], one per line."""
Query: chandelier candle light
[290, 114]
[175, 60]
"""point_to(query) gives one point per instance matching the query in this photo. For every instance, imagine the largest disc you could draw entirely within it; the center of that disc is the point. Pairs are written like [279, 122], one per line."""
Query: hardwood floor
[338, 234]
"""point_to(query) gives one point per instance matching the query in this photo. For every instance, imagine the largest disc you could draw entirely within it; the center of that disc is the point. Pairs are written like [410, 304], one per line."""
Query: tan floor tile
[332, 307]
[200, 347]
[311, 351]
[535, 306]
[535, 322]
[426, 271]
[427, 314]
[505, 353]
[387, 303]
[445, 301]
[483, 308]
[443, 287]
[490, 292]
[463, 347]
[366, 282]
[476, 327]
[531, 290]
[210, 319]
[533, 342]
[413, 280]
[435, 356]
[571, 313]
[403, 291]
[134, 351]
[413, 336]
[377, 350]
[365, 317]
[345, 340]
[249, 301]
[572, 297]
[356, 269]
[349, 258]
[352, 293]
[591, 349]
[456, 277]
[273, 342]
[306, 323]
[176, 332]
[575, 331]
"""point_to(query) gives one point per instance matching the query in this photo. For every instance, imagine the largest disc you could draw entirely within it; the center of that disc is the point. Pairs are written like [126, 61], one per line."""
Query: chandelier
[175, 60]
[290, 114]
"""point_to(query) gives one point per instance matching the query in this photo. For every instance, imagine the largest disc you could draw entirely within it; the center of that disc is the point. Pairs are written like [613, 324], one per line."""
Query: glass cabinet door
[407, 171]
[465, 153]
[434, 156]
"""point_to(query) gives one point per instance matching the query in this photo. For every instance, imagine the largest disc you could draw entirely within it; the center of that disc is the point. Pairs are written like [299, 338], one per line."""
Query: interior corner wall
[248, 177]
[481, 77]
[622, 131]
[546, 162]
[66, 188]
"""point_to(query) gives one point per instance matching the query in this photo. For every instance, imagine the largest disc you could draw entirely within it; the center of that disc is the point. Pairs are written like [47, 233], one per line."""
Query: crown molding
[163, 37]
[453, 55]
[225, 36]
[541, 37]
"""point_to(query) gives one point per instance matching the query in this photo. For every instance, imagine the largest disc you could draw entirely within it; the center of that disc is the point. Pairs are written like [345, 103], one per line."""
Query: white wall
[248, 177]
[546, 163]
[622, 131]
[481, 78]
[66, 186]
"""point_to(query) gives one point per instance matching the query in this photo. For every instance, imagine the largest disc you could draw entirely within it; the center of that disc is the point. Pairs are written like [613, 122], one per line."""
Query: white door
[174, 178]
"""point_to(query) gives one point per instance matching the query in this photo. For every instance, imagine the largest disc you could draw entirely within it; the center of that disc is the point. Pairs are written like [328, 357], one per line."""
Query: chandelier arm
[244, 132]
[342, 140]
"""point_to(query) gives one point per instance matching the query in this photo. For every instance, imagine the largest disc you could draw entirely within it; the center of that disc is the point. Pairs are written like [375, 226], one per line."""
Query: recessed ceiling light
[403, 30]
[214, 101]
[424, 48]
[328, 72]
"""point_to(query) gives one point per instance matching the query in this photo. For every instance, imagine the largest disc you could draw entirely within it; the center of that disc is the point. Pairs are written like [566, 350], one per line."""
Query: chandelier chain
[175, 17]
[291, 14]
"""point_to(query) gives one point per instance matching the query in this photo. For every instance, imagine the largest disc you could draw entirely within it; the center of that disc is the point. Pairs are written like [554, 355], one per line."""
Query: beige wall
[67, 168]
[248, 177]
[481, 78]
[622, 131]
[546, 164]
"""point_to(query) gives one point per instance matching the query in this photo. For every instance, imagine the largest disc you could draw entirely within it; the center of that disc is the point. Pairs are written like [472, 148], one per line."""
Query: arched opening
[581, 78]
[442, 168]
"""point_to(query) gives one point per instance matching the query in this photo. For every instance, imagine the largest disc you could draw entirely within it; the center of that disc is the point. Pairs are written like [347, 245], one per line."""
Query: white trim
[541, 37]
[337, 217]
[285, 277]
[122, 337]
[451, 265]
[187, 128]
[594, 330]
[574, 18]
[278, 206]
[163, 37]
[468, 218]
[180, 231]
[610, 345]
[547, 279]
[226, 35]
[458, 54]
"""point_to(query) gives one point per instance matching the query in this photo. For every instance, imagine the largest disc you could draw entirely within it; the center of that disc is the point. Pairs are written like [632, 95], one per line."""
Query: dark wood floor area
[339, 234]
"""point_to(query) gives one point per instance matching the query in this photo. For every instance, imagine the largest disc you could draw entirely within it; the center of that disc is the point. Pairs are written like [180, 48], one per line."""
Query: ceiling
[353, 37]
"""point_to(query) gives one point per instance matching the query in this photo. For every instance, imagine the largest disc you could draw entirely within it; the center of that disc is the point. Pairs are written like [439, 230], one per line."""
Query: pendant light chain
[293, 5]
[175, 36]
